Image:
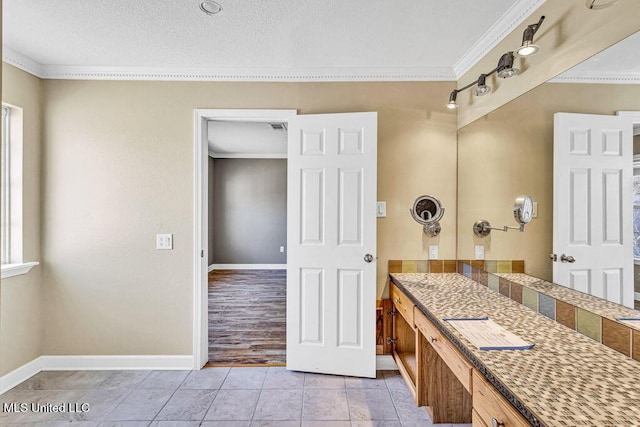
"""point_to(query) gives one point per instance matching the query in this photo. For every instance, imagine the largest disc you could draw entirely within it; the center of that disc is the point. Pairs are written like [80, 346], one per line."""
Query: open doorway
[247, 225]
[247, 173]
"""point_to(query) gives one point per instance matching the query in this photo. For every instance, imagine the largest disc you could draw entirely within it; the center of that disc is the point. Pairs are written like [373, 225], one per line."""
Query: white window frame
[14, 263]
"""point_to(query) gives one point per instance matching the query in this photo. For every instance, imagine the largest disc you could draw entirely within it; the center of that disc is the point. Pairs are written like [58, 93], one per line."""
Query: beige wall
[21, 302]
[510, 152]
[118, 169]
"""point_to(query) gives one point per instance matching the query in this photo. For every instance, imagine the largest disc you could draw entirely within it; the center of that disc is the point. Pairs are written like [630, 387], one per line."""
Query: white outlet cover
[479, 252]
[381, 209]
[164, 241]
[433, 251]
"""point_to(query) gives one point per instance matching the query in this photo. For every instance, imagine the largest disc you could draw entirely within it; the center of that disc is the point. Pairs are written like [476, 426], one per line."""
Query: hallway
[247, 317]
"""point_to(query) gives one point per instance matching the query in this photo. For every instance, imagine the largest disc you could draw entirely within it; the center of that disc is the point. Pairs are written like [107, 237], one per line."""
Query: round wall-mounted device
[427, 210]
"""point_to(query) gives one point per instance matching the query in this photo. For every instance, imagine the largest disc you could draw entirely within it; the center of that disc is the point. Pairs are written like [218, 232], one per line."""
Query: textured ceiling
[334, 37]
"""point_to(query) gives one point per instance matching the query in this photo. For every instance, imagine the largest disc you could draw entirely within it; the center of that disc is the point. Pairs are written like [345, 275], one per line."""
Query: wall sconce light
[505, 68]
[528, 48]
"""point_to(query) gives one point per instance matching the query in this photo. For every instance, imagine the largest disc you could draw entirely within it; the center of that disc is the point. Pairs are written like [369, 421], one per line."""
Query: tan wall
[21, 303]
[119, 169]
[510, 152]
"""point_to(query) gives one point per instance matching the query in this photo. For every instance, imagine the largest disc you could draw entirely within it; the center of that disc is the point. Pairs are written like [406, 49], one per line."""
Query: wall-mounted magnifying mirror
[522, 212]
[427, 210]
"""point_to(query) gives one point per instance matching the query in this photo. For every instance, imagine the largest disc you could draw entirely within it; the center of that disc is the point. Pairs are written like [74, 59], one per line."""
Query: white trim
[200, 213]
[385, 362]
[636, 296]
[247, 267]
[10, 270]
[598, 78]
[508, 22]
[20, 61]
[19, 375]
[66, 72]
[247, 155]
[96, 363]
[93, 363]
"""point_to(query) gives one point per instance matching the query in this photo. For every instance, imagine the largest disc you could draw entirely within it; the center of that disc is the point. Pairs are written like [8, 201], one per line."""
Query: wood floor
[247, 317]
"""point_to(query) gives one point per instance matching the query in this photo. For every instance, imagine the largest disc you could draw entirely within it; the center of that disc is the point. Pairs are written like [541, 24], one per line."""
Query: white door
[592, 205]
[331, 237]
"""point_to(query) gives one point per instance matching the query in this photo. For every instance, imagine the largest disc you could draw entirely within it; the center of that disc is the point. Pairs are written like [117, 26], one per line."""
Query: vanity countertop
[566, 379]
[588, 302]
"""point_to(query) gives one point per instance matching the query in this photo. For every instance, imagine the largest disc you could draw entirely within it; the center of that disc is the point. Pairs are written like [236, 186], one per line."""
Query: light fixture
[505, 66]
[528, 48]
[451, 105]
[210, 7]
[599, 4]
[483, 88]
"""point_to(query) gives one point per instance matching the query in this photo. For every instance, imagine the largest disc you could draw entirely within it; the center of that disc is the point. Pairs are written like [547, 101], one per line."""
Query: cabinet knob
[432, 339]
[496, 423]
[398, 300]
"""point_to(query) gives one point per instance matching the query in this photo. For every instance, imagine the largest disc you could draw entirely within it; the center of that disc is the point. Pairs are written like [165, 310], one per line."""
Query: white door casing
[331, 227]
[592, 205]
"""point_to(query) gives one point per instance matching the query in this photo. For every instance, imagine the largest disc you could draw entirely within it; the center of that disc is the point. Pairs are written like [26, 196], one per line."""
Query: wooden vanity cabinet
[490, 408]
[404, 340]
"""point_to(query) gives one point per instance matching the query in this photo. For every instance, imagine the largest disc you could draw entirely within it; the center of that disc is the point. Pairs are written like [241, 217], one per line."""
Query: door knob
[368, 258]
[553, 257]
[567, 258]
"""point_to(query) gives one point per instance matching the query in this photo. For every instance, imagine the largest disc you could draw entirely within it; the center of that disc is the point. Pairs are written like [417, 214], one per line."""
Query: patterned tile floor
[228, 397]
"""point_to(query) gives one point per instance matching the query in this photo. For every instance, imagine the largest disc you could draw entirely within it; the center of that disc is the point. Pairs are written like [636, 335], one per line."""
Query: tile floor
[229, 397]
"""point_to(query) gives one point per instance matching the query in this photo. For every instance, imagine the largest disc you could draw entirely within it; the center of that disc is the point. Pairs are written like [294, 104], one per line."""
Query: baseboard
[636, 296]
[247, 267]
[18, 375]
[92, 363]
[385, 362]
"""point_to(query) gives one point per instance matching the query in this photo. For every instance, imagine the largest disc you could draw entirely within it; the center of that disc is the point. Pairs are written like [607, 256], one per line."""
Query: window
[11, 194]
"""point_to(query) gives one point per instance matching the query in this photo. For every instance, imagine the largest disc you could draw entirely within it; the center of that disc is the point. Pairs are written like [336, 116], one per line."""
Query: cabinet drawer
[491, 405]
[403, 304]
[458, 364]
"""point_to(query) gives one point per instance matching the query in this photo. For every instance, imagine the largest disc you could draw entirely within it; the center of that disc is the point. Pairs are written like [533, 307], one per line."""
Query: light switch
[381, 209]
[433, 251]
[535, 209]
[479, 252]
[164, 241]
[281, 249]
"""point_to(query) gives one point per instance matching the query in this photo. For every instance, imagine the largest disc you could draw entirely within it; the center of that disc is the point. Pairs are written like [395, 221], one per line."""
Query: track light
[505, 66]
[528, 48]
[451, 105]
[483, 88]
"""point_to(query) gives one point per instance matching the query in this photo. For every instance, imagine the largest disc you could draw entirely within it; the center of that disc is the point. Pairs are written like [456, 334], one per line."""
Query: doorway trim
[200, 213]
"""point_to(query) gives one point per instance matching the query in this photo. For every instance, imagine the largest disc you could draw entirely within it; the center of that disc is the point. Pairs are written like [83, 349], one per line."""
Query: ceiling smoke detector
[210, 7]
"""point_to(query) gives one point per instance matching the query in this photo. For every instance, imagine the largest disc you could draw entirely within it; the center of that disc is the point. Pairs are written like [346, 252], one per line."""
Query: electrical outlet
[479, 252]
[281, 249]
[164, 241]
[433, 251]
[381, 209]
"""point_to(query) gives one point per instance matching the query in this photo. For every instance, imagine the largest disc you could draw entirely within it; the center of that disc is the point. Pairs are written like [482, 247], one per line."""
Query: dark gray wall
[248, 211]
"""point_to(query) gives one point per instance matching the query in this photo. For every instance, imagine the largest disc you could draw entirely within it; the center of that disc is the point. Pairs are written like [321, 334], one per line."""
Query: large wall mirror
[510, 151]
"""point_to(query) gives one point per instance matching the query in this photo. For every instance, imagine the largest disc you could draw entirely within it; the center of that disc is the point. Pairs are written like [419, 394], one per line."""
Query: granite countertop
[596, 305]
[566, 379]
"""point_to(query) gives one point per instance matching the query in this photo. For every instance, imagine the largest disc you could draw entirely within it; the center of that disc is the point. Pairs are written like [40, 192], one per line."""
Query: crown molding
[602, 78]
[62, 72]
[508, 22]
[18, 60]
